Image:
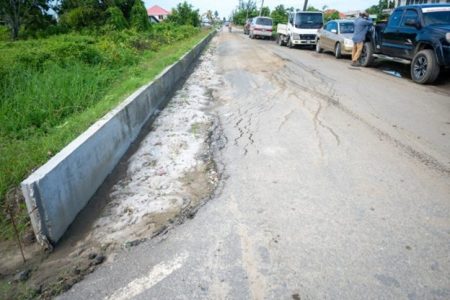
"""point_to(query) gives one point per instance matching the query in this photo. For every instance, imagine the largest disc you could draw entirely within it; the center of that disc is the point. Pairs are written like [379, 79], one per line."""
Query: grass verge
[24, 147]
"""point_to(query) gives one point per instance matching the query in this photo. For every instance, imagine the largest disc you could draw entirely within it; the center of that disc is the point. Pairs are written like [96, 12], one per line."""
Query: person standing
[362, 25]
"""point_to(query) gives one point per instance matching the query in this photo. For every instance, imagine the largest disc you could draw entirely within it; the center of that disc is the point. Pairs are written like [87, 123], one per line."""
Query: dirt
[160, 184]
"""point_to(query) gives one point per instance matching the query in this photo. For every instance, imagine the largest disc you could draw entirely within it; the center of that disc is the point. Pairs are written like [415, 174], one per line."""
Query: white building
[408, 2]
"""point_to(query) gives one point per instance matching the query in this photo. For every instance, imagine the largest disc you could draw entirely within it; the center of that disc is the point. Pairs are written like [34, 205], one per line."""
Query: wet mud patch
[161, 184]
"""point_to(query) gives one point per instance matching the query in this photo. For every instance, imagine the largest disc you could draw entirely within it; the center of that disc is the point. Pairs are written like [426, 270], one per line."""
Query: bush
[139, 18]
[115, 18]
[81, 17]
[185, 14]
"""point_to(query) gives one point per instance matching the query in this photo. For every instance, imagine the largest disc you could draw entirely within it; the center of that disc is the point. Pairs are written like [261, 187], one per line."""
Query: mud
[162, 183]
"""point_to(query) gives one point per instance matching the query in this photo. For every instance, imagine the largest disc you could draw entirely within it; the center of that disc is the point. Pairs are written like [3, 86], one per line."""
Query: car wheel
[424, 67]
[337, 51]
[289, 44]
[318, 48]
[366, 59]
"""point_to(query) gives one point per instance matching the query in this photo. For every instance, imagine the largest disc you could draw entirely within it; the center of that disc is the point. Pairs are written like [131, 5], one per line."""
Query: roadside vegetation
[57, 79]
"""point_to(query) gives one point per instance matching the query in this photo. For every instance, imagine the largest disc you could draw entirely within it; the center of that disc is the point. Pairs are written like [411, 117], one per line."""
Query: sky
[224, 7]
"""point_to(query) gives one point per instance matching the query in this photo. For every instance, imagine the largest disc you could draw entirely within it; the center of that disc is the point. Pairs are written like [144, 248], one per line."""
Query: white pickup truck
[301, 29]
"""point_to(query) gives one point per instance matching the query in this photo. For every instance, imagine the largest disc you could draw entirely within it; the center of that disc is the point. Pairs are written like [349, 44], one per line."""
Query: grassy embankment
[53, 89]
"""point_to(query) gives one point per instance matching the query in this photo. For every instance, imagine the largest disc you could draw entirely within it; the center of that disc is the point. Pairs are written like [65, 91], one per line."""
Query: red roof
[157, 11]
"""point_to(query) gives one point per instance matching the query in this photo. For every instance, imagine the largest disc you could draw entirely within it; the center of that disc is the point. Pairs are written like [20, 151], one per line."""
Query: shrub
[139, 18]
[115, 18]
[80, 17]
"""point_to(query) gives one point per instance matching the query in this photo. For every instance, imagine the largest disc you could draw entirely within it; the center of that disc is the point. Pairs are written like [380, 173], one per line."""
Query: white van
[261, 27]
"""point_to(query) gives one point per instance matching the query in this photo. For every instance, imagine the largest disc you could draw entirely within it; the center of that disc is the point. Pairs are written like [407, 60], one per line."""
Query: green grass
[51, 90]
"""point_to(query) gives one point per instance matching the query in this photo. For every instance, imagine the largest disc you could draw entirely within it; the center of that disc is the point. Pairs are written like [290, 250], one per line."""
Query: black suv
[416, 34]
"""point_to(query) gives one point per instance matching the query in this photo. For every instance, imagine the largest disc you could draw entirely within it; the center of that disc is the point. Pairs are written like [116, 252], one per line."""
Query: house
[351, 14]
[408, 2]
[157, 14]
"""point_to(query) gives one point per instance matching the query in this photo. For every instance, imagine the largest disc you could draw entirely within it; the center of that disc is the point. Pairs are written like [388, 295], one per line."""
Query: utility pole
[305, 5]
[246, 8]
[260, 11]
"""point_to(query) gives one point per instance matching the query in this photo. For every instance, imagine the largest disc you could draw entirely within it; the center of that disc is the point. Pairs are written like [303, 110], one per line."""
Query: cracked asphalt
[334, 185]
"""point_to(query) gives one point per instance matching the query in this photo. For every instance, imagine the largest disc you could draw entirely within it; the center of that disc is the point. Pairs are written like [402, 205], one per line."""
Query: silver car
[336, 36]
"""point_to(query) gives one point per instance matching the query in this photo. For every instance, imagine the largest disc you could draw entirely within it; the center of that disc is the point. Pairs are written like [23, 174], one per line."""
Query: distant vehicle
[206, 24]
[336, 36]
[301, 29]
[261, 27]
[247, 26]
[226, 23]
[418, 35]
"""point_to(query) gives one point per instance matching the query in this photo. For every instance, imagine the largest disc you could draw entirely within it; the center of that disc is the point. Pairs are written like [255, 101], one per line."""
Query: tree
[33, 14]
[216, 15]
[378, 9]
[279, 15]
[312, 8]
[209, 15]
[185, 14]
[139, 18]
[331, 14]
[116, 18]
[78, 14]
[265, 11]
[245, 9]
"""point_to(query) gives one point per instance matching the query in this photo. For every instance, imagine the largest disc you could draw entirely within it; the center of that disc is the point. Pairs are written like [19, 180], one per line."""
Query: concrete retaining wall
[58, 190]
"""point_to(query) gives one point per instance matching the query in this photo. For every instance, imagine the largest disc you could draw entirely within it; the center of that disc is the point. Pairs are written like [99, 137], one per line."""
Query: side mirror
[412, 23]
[333, 30]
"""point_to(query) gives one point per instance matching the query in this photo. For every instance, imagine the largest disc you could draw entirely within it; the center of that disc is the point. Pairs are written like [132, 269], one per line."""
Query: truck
[301, 29]
[418, 35]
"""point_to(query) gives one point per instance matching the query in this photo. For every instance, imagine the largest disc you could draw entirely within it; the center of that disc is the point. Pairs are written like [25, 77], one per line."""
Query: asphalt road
[335, 186]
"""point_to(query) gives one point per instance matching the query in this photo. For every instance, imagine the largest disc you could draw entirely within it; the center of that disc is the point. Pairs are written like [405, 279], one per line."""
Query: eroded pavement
[333, 183]
[328, 189]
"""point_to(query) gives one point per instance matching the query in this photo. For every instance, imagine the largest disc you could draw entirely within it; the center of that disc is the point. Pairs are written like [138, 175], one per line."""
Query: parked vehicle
[301, 29]
[336, 36]
[418, 35]
[247, 26]
[261, 27]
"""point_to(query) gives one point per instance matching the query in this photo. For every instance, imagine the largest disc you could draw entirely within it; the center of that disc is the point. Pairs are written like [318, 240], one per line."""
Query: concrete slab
[60, 189]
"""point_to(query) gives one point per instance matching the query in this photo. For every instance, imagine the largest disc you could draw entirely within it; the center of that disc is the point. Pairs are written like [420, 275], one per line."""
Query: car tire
[337, 51]
[366, 59]
[424, 67]
[289, 43]
[318, 48]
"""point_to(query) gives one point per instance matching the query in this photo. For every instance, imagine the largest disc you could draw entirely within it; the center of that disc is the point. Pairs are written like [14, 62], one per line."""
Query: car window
[437, 18]
[394, 20]
[264, 21]
[333, 26]
[347, 27]
[330, 25]
[309, 20]
[410, 14]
